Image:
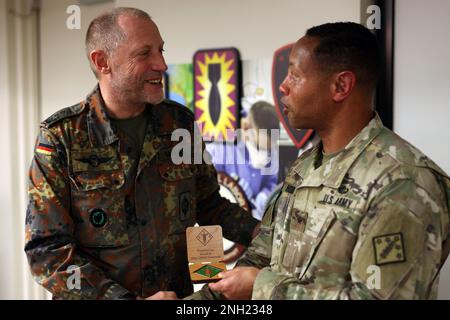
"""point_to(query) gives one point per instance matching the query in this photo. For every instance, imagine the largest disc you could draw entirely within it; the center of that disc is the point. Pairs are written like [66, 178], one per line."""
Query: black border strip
[384, 98]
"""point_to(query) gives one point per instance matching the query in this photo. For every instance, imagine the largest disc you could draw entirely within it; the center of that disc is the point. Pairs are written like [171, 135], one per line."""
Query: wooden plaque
[205, 253]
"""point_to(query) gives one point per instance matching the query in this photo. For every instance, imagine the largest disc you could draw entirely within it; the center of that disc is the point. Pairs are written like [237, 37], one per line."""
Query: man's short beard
[133, 95]
[124, 93]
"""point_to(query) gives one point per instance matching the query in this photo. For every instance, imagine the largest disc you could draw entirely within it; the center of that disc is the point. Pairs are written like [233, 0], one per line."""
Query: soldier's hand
[236, 284]
[163, 295]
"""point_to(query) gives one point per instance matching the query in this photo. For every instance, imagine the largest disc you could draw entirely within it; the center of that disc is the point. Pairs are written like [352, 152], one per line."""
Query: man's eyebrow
[140, 48]
[146, 46]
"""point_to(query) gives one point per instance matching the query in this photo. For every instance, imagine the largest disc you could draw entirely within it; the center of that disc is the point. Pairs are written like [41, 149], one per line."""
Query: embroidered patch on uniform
[94, 160]
[45, 149]
[290, 189]
[343, 189]
[389, 248]
[185, 205]
[208, 271]
[98, 218]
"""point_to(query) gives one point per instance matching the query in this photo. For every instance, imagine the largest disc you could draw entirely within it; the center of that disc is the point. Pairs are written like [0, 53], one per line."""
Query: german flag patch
[45, 149]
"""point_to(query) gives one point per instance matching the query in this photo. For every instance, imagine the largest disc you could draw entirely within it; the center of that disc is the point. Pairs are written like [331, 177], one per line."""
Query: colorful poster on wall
[180, 84]
[217, 91]
[279, 70]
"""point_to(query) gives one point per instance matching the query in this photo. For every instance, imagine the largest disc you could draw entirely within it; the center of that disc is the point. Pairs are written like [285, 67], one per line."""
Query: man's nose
[159, 64]
[284, 88]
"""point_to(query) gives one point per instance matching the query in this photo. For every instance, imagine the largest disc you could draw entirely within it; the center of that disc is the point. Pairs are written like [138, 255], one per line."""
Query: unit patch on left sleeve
[389, 248]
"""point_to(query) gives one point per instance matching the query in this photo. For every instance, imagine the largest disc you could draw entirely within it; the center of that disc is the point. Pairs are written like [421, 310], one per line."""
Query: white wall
[422, 76]
[255, 27]
[66, 76]
[422, 84]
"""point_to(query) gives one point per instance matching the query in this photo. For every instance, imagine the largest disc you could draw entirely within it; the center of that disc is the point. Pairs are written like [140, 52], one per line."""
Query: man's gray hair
[104, 33]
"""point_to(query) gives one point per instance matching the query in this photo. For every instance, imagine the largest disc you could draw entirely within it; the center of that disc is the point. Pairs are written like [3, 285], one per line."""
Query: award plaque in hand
[205, 253]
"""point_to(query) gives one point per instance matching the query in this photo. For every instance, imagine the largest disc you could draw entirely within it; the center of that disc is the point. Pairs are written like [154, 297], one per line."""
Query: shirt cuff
[117, 292]
[265, 283]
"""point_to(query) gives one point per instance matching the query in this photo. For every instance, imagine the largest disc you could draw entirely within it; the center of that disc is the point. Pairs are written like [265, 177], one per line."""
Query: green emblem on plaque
[208, 271]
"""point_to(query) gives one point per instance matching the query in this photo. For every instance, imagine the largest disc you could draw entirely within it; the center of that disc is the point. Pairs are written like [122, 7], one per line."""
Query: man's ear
[99, 60]
[343, 85]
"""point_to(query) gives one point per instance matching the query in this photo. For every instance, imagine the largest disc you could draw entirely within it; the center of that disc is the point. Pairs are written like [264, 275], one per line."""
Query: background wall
[66, 77]
[255, 27]
[422, 84]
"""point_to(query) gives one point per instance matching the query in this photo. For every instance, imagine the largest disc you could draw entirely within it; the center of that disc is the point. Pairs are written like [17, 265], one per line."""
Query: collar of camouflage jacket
[102, 133]
[99, 126]
[100, 129]
[332, 173]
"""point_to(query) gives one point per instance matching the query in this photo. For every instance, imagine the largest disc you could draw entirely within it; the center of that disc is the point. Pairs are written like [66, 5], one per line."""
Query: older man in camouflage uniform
[106, 202]
[364, 214]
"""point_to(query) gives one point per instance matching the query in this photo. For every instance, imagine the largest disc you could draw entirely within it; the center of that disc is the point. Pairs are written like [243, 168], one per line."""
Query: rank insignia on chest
[205, 253]
[389, 248]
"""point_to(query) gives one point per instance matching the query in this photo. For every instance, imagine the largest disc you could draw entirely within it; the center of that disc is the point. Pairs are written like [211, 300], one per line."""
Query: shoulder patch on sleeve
[62, 114]
[389, 248]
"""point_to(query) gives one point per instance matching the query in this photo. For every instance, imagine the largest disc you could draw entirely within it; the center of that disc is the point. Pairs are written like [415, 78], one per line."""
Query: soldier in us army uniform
[106, 202]
[363, 215]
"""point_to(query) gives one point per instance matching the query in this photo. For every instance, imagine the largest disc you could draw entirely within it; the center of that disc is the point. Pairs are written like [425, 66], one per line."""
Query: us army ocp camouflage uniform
[370, 223]
[125, 233]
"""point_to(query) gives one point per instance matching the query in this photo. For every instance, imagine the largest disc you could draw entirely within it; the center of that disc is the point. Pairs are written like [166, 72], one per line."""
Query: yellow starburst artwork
[216, 91]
